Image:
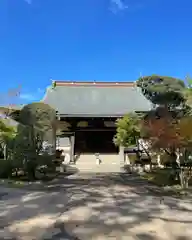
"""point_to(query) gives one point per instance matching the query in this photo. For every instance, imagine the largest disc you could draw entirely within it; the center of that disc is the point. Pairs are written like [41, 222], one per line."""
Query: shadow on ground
[94, 207]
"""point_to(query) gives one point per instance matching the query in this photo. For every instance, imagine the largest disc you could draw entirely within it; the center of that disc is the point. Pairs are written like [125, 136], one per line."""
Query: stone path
[95, 207]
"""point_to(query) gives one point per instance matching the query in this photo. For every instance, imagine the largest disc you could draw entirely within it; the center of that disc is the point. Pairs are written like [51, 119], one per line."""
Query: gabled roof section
[11, 107]
[8, 121]
[96, 98]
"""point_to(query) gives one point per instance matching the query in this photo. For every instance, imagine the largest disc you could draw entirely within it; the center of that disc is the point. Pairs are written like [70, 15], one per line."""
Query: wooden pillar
[72, 140]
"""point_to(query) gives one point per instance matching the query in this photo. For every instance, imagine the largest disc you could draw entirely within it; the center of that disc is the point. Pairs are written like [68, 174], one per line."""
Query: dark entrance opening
[95, 142]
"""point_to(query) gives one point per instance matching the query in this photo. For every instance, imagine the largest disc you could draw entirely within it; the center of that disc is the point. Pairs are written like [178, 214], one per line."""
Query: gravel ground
[93, 206]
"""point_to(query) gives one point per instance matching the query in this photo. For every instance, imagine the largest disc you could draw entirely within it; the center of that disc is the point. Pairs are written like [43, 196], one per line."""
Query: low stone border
[34, 185]
[21, 184]
[175, 192]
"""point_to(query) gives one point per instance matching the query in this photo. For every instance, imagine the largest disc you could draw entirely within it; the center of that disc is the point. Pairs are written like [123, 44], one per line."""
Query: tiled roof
[96, 98]
[8, 121]
[12, 107]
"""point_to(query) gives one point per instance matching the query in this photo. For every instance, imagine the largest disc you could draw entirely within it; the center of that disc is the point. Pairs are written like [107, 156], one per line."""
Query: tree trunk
[186, 183]
[182, 180]
[145, 148]
[150, 166]
[16, 172]
[159, 160]
[175, 163]
[32, 174]
[5, 151]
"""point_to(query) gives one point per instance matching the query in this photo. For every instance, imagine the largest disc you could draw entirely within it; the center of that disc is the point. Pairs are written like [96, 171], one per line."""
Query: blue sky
[102, 40]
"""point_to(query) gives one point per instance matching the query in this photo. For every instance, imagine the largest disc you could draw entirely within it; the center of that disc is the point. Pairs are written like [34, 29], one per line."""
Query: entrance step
[108, 163]
[104, 158]
[104, 168]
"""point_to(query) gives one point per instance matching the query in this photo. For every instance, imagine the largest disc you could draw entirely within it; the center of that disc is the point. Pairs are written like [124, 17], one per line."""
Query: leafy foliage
[127, 130]
[184, 132]
[37, 124]
[6, 131]
[174, 136]
[22, 145]
[167, 127]
[168, 132]
[162, 90]
[188, 96]
[7, 135]
[6, 167]
[160, 132]
[39, 115]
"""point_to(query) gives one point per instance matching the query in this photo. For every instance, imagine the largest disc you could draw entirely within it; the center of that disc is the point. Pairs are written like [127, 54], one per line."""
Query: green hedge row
[8, 168]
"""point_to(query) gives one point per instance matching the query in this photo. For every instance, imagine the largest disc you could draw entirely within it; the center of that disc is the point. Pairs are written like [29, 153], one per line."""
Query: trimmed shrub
[6, 167]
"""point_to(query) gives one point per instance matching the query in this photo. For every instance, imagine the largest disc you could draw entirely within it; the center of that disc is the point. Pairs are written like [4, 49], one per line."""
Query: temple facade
[87, 112]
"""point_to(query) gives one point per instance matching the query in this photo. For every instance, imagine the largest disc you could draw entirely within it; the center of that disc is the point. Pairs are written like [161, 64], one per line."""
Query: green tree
[175, 139]
[7, 135]
[37, 124]
[127, 130]
[188, 95]
[162, 90]
[171, 98]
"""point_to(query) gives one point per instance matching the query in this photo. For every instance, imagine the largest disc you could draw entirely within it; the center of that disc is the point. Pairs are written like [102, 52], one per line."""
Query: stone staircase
[108, 163]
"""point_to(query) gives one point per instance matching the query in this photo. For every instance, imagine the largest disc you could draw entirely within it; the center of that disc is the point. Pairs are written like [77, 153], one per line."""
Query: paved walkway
[93, 207]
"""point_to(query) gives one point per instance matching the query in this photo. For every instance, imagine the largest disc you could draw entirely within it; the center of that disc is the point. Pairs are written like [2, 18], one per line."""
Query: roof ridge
[94, 83]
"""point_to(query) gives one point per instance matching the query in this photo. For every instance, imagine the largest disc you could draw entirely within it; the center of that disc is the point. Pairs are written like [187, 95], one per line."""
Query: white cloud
[40, 90]
[28, 1]
[28, 96]
[118, 5]
[32, 96]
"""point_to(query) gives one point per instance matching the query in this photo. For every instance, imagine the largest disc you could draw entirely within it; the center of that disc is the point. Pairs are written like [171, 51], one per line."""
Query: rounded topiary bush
[41, 117]
[6, 167]
[38, 114]
[36, 135]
